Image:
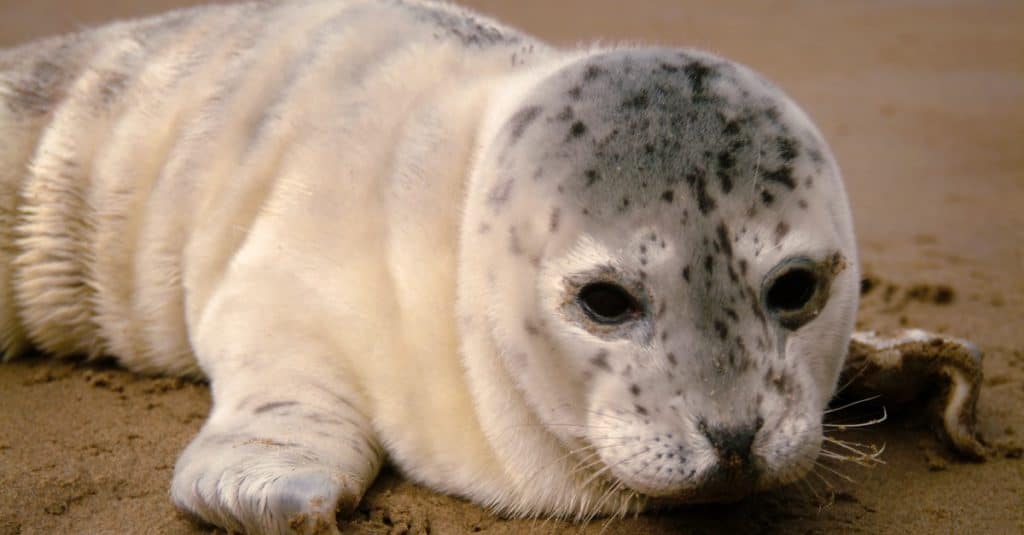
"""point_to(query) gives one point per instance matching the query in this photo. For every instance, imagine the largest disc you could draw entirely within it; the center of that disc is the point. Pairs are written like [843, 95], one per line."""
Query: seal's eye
[791, 297]
[792, 290]
[605, 302]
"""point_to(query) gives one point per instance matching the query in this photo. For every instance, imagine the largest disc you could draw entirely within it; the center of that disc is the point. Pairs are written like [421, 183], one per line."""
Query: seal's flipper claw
[907, 364]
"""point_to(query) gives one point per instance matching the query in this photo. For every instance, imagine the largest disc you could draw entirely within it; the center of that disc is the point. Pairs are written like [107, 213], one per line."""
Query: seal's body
[553, 282]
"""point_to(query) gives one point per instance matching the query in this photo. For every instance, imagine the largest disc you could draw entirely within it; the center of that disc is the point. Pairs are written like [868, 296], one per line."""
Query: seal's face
[692, 270]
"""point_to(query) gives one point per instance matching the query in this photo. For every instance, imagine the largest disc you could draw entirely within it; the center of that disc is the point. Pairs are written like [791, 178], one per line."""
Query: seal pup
[554, 282]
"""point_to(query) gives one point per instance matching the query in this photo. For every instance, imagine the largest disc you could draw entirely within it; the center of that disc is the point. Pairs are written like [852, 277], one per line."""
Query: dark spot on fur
[767, 198]
[514, 246]
[592, 176]
[521, 121]
[500, 193]
[273, 406]
[726, 160]
[592, 72]
[721, 329]
[697, 73]
[640, 410]
[724, 180]
[111, 85]
[686, 273]
[668, 195]
[555, 219]
[782, 382]
[575, 93]
[36, 93]
[466, 28]
[780, 231]
[671, 358]
[787, 148]
[638, 101]
[600, 360]
[731, 313]
[530, 328]
[577, 129]
[634, 389]
[566, 114]
[723, 239]
[782, 175]
[755, 307]
[699, 186]
[709, 265]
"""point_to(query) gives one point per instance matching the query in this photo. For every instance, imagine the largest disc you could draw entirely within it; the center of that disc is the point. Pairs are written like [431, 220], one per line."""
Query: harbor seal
[555, 282]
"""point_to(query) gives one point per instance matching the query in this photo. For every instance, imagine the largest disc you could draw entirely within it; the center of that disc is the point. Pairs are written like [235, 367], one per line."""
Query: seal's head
[671, 270]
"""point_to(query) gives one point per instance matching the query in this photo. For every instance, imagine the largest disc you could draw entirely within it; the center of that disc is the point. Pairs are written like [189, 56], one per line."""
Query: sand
[922, 102]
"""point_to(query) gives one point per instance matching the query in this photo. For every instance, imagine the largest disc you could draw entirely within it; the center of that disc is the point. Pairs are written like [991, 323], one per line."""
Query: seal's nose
[733, 444]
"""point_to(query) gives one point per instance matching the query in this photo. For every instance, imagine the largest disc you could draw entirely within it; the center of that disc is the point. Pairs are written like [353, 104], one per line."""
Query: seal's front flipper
[278, 460]
[911, 363]
[289, 442]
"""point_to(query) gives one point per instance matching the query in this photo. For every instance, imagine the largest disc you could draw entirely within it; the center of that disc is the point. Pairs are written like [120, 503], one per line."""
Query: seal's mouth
[728, 481]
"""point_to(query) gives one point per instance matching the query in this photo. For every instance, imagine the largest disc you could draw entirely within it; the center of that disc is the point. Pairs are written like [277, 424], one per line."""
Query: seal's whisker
[834, 472]
[866, 460]
[592, 461]
[616, 438]
[608, 493]
[870, 457]
[620, 511]
[540, 469]
[873, 421]
[542, 425]
[808, 486]
[858, 449]
[608, 414]
[829, 491]
[851, 404]
[608, 467]
[850, 381]
[585, 462]
[835, 440]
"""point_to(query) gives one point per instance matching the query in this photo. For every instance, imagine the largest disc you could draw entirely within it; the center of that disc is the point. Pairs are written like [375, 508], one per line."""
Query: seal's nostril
[733, 444]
